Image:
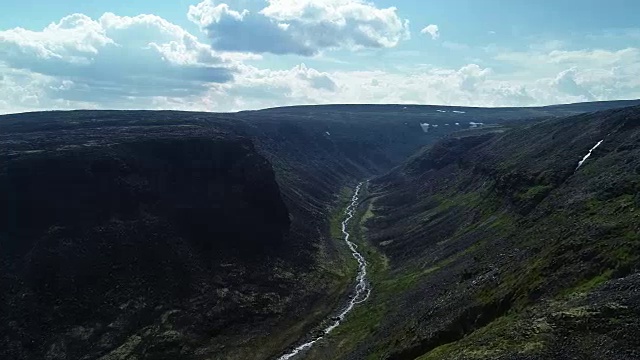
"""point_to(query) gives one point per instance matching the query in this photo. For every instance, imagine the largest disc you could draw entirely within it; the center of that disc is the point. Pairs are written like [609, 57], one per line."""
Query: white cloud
[432, 30]
[468, 85]
[115, 57]
[146, 62]
[557, 57]
[254, 88]
[258, 88]
[27, 91]
[471, 85]
[566, 82]
[302, 27]
[578, 75]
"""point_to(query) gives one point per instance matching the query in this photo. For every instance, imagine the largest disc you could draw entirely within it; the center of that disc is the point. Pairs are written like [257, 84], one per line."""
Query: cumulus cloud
[114, 57]
[254, 88]
[470, 75]
[566, 83]
[432, 30]
[468, 85]
[557, 57]
[578, 75]
[146, 62]
[259, 88]
[302, 27]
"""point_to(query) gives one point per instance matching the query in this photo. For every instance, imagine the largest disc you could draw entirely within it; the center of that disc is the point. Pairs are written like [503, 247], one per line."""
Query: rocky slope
[103, 237]
[498, 246]
[164, 235]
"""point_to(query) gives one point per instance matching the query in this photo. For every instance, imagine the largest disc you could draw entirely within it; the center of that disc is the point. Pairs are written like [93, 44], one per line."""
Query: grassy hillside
[499, 247]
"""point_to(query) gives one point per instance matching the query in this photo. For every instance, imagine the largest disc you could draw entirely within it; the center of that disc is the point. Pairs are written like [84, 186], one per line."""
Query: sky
[232, 55]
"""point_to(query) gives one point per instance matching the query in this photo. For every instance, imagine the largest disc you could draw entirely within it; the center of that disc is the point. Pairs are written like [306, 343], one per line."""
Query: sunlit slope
[499, 246]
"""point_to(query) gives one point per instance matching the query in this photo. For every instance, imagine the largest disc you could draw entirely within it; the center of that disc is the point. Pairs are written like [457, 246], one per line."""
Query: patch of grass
[360, 323]
[366, 317]
[368, 212]
[338, 213]
[563, 246]
[469, 199]
[334, 274]
[405, 281]
[342, 264]
[494, 340]
[535, 192]
[589, 284]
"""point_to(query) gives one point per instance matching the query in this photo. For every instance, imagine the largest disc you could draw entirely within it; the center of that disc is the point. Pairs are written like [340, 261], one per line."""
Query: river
[362, 288]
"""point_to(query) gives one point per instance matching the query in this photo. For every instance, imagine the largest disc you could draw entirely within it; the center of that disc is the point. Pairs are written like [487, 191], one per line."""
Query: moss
[366, 317]
[469, 199]
[333, 275]
[405, 281]
[503, 222]
[360, 323]
[125, 350]
[441, 352]
[495, 340]
[536, 192]
[337, 214]
[577, 312]
[589, 284]
[368, 212]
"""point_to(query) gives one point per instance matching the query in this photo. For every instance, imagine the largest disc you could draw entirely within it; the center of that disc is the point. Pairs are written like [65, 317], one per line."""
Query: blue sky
[245, 54]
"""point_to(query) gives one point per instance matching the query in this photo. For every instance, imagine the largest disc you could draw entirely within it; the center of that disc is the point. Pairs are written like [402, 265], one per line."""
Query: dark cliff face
[201, 189]
[176, 212]
[88, 229]
[124, 217]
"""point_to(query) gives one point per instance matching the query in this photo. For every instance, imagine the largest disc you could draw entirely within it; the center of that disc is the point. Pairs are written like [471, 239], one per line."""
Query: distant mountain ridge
[579, 107]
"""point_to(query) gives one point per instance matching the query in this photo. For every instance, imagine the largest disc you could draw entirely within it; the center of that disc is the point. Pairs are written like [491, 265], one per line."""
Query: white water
[362, 288]
[588, 154]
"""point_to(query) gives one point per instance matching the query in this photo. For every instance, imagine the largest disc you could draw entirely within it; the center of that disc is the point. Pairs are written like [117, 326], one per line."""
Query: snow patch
[588, 154]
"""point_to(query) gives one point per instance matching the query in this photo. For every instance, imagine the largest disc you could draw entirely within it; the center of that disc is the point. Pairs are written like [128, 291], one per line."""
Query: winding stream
[362, 289]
